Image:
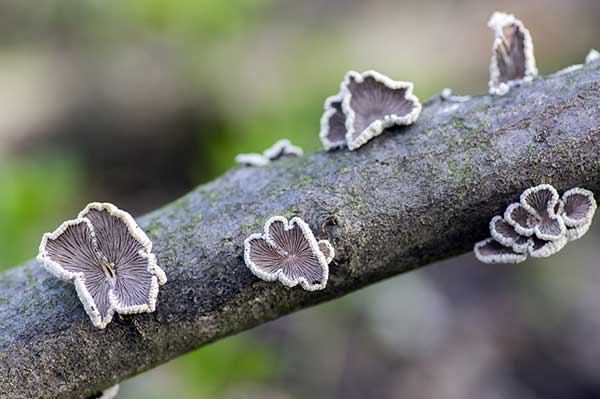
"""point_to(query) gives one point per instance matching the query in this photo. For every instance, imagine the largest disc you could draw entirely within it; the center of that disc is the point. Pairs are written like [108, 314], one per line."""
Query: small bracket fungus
[289, 252]
[373, 102]
[592, 56]
[541, 202]
[333, 123]
[109, 393]
[578, 212]
[512, 61]
[491, 251]
[280, 149]
[542, 249]
[446, 95]
[251, 160]
[506, 235]
[540, 225]
[109, 258]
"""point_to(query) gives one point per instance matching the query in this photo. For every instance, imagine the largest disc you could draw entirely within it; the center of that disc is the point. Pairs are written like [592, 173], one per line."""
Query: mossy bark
[406, 199]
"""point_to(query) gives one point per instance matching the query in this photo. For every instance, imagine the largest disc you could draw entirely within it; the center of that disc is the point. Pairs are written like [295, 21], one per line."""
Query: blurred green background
[136, 102]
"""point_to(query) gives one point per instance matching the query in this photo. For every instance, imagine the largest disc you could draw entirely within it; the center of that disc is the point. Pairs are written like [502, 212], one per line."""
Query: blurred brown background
[136, 102]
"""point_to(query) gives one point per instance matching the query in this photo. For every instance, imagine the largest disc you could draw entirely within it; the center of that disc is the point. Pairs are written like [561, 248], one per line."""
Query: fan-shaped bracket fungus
[540, 225]
[592, 56]
[513, 61]
[280, 149]
[109, 259]
[491, 251]
[373, 102]
[109, 393]
[446, 95]
[333, 123]
[542, 203]
[289, 252]
[578, 211]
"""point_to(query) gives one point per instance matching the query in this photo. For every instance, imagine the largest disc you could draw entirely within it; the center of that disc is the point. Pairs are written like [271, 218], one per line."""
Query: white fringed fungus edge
[110, 393]
[446, 95]
[506, 241]
[78, 279]
[550, 209]
[549, 249]
[590, 214]
[498, 258]
[592, 56]
[521, 247]
[251, 160]
[282, 147]
[158, 275]
[497, 22]
[378, 126]
[279, 275]
[326, 117]
[51, 266]
[575, 233]
[568, 69]
[524, 231]
[329, 248]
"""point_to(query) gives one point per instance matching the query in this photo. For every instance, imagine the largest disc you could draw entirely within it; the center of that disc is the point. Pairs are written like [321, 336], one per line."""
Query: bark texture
[406, 199]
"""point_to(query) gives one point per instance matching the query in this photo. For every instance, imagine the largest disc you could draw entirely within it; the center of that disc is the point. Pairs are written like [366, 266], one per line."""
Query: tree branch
[406, 199]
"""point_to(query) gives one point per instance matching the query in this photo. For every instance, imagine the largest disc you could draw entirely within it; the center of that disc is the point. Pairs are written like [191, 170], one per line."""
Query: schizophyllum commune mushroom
[109, 393]
[280, 149]
[290, 253]
[109, 259]
[512, 60]
[366, 105]
[539, 225]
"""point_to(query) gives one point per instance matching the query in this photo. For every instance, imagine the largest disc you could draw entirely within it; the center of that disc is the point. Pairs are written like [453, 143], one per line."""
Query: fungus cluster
[289, 252]
[539, 225]
[109, 259]
[512, 61]
[366, 105]
[282, 148]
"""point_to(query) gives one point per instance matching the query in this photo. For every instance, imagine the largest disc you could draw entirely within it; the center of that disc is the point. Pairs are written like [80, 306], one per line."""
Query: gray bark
[406, 199]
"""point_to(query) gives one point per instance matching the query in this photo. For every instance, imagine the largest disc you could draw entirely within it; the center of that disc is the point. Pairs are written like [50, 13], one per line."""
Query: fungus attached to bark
[372, 102]
[280, 149]
[503, 232]
[108, 258]
[289, 252]
[491, 251]
[517, 216]
[541, 202]
[446, 95]
[109, 393]
[333, 123]
[512, 61]
[251, 160]
[327, 249]
[543, 248]
[592, 56]
[540, 225]
[578, 212]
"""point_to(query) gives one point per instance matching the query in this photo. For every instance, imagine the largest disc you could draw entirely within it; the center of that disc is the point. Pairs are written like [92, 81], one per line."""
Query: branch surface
[404, 200]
